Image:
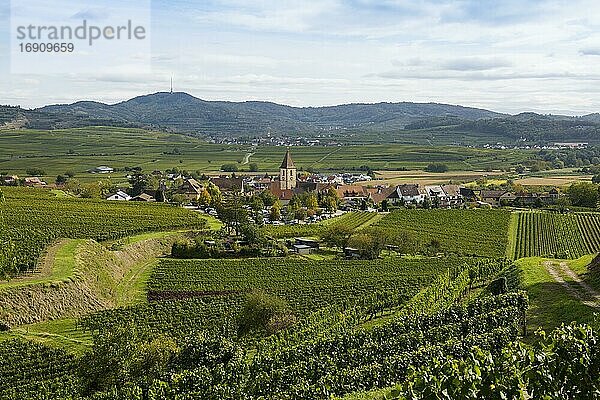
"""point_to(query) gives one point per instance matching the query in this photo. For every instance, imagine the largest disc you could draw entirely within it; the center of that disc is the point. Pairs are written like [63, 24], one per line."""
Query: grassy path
[553, 296]
[58, 265]
[376, 217]
[132, 289]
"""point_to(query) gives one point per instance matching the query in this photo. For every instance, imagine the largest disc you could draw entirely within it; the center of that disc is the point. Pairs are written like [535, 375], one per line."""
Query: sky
[508, 56]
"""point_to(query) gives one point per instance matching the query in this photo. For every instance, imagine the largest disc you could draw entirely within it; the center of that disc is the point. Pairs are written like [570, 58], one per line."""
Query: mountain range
[184, 113]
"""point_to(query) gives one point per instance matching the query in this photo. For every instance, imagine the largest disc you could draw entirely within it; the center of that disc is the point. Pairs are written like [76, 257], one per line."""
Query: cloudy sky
[509, 56]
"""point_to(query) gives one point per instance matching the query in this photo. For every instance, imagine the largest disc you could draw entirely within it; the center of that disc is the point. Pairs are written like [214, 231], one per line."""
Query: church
[287, 173]
[288, 183]
[285, 187]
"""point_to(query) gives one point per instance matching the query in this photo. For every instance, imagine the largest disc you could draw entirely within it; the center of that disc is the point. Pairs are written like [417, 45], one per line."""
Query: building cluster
[349, 188]
[14, 180]
[288, 183]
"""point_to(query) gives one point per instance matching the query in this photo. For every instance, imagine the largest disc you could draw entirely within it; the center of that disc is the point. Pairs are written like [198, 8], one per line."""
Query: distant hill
[380, 122]
[185, 113]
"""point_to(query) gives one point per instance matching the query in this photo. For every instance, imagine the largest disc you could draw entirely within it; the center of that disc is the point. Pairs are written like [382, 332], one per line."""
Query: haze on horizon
[506, 56]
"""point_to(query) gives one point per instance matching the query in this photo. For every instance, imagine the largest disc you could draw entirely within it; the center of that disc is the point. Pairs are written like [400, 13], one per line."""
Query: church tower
[287, 172]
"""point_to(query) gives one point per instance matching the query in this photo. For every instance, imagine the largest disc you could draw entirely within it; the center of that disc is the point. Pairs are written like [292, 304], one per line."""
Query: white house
[409, 193]
[119, 196]
[436, 192]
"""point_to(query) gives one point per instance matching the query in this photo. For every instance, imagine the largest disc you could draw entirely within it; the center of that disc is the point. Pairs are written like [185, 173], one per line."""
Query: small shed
[302, 249]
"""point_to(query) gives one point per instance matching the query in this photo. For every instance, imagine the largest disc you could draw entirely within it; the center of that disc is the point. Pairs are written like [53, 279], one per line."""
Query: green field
[305, 284]
[79, 150]
[360, 328]
[472, 232]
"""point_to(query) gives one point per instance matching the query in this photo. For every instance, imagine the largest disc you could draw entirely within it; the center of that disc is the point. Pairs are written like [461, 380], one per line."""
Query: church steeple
[287, 172]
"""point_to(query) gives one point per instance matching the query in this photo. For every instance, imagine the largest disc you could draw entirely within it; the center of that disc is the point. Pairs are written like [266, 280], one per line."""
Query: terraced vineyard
[351, 220]
[470, 232]
[306, 285]
[556, 235]
[35, 218]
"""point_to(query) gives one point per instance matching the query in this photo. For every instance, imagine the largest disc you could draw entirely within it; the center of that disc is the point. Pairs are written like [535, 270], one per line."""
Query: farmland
[20, 361]
[82, 149]
[306, 285]
[470, 232]
[556, 235]
[345, 327]
[37, 218]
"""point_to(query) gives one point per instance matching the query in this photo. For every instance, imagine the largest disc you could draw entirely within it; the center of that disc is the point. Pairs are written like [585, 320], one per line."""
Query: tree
[91, 190]
[35, 172]
[140, 183]
[205, 198]
[295, 203]
[268, 198]
[70, 173]
[405, 241]
[275, 213]
[257, 204]
[253, 167]
[583, 194]
[61, 180]
[229, 168]
[311, 201]
[300, 214]
[123, 355]
[264, 313]
[179, 199]
[329, 203]
[215, 194]
[596, 179]
[337, 236]
[563, 203]
[369, 244]
[233, 215]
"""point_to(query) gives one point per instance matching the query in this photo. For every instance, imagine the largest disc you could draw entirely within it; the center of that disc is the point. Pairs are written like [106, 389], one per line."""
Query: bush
[264, 313]
[229, 168]
[436, 167]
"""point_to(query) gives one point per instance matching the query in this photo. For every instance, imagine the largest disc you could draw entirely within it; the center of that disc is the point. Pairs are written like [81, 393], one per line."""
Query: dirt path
[247, 158]
[577, 287]
[591, 292]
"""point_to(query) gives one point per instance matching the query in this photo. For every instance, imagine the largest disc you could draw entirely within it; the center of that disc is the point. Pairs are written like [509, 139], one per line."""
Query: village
[302, 197]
